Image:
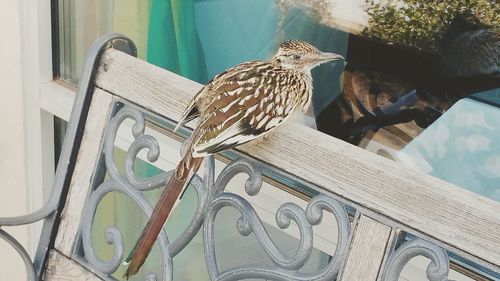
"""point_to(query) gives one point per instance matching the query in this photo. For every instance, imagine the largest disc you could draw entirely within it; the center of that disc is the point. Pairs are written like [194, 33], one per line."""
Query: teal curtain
[173, 44]
[173, 41]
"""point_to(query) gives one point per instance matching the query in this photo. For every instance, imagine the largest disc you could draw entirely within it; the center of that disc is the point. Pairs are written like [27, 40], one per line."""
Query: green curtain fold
[130, 17]
[173, 41]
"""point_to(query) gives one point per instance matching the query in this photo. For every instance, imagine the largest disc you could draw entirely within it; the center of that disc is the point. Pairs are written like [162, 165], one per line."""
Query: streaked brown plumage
[237, 106]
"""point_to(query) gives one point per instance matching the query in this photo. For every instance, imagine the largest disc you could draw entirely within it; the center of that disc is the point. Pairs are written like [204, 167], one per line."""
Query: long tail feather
[161, 211]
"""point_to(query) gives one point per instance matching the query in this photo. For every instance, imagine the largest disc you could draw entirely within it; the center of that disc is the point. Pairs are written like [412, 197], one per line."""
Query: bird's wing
[191, 112]
[246, 106]
[205, 96]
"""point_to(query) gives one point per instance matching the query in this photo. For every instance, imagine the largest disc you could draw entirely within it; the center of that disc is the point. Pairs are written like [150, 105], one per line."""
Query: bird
[239, 105]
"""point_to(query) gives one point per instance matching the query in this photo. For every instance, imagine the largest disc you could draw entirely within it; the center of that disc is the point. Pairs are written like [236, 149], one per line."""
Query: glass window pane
[82, 22]
[411, 64]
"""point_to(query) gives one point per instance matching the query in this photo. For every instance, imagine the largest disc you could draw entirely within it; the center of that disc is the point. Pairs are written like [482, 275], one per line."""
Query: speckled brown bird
[239, 105]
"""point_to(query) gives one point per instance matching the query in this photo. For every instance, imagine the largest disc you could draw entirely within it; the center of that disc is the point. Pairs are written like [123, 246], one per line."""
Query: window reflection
[409, 61]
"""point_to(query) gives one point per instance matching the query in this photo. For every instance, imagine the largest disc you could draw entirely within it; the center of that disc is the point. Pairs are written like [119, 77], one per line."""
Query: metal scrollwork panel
[437, 270]
[285, 267]
[132, 186]
[120, 183]
[211, 198]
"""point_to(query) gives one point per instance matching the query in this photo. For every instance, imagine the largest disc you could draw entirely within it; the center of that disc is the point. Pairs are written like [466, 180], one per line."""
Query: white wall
[13, 192]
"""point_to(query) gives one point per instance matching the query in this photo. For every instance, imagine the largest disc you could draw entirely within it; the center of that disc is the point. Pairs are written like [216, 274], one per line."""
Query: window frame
[36, 59]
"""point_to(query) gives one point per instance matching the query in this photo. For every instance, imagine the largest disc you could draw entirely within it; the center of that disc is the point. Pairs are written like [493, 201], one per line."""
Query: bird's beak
[326, 57]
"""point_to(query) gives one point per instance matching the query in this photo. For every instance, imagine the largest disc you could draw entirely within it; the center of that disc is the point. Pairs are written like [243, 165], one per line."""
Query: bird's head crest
[301, 56]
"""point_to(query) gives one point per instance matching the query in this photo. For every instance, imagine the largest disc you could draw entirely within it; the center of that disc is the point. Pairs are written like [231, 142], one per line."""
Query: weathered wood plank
[88, 156]
[367, 250]
[61, 268]
[443, 211]
[163, 92]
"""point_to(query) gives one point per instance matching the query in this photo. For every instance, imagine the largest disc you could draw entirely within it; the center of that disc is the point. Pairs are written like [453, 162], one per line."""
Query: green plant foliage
[420, 23]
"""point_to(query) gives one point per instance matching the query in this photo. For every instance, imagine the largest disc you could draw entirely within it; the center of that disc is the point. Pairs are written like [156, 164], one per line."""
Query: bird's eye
[297, 57]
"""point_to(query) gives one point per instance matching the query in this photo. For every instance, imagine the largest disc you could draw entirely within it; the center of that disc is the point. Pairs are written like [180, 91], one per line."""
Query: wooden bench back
[387, 202]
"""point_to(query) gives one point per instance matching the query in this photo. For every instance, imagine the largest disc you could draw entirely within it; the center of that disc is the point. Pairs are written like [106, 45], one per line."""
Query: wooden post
[367, 250]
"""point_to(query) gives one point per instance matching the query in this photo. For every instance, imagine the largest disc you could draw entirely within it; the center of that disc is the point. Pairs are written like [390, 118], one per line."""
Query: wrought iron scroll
[437, 270]
[30, 268]
[211, 198]
[285, 268]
